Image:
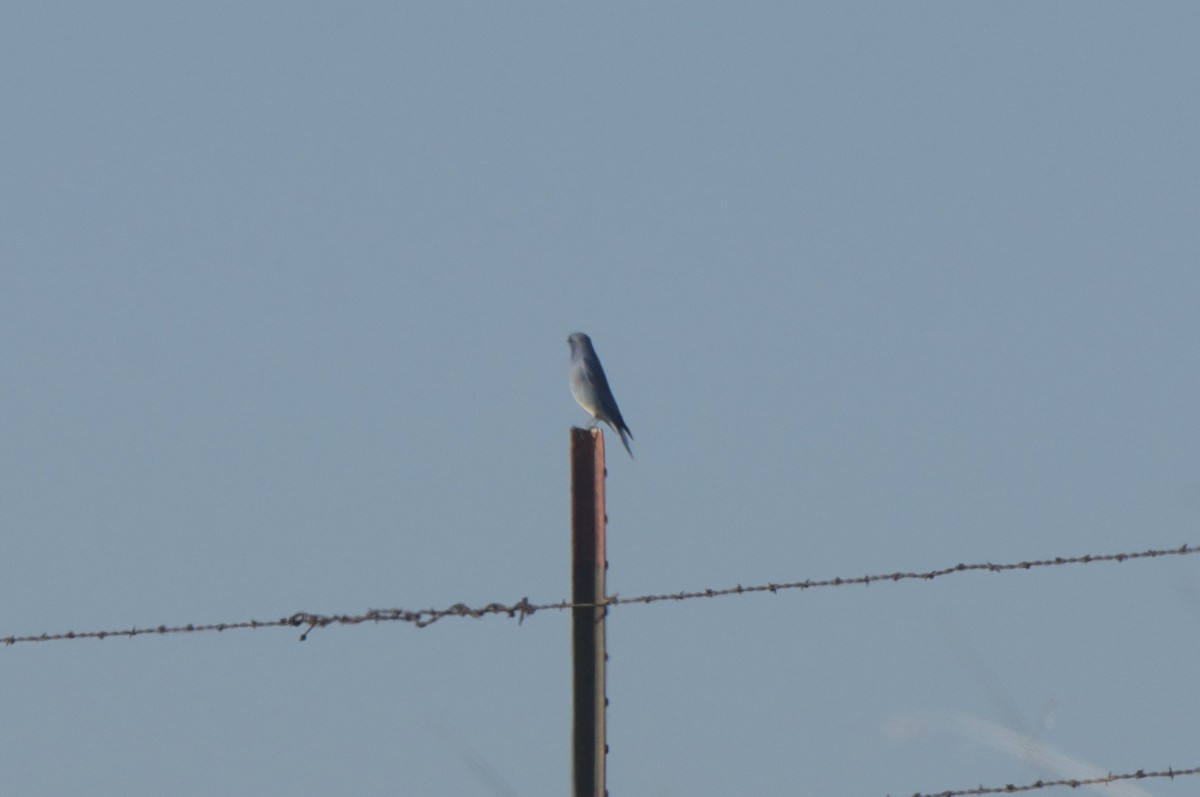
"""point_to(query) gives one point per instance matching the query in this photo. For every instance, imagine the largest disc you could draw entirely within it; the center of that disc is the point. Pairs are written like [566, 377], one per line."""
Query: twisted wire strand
[524, 608]
[1074, 783]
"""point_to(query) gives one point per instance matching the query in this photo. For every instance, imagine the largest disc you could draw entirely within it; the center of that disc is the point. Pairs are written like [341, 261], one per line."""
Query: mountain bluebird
[590, 387]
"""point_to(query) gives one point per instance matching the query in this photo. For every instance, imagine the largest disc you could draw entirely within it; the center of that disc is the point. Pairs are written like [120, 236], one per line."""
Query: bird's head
[579, 342]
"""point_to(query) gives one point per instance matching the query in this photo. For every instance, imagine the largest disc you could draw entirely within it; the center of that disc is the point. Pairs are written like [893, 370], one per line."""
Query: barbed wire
[523, 608]
[928, 575]
[1074, 783]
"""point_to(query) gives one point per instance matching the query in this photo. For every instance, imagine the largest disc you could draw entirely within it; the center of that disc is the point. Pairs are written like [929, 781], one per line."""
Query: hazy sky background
[285, 290]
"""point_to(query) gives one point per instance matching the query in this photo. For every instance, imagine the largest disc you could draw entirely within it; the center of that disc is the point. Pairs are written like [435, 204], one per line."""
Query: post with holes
[588, 564]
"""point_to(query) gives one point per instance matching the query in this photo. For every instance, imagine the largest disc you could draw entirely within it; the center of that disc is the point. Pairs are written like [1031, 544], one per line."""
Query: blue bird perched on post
[590, 388]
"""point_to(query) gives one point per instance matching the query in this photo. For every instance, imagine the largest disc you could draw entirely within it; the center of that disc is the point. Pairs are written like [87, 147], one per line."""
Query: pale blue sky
[284, 295]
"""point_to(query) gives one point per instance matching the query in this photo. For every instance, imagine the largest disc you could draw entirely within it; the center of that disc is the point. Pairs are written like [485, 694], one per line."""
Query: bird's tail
[625, 433]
